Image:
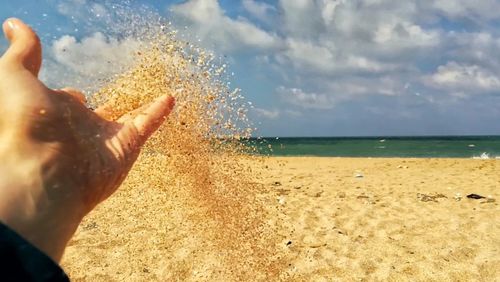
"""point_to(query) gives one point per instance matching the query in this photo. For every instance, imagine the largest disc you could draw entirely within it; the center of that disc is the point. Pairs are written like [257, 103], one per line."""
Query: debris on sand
[489, 199]
[475, 196]
[281, 200]
[430, 198]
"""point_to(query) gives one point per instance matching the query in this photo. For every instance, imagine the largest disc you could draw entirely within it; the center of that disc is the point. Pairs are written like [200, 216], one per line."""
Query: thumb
[25, 47]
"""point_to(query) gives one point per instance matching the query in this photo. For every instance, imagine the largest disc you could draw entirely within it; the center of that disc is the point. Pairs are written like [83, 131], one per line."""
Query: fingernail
[11, 24]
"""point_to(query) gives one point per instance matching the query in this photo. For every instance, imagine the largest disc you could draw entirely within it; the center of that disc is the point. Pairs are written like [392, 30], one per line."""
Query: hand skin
[58, 159]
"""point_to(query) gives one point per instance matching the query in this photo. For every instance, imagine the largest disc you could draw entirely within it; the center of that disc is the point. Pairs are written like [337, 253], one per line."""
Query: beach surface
[335, 219]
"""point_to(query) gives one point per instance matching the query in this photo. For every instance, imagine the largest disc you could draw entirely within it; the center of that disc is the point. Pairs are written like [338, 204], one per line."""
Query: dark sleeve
[21, 261]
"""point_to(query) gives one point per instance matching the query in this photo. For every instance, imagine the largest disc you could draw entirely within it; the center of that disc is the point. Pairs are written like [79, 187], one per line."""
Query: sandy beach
[334, 219]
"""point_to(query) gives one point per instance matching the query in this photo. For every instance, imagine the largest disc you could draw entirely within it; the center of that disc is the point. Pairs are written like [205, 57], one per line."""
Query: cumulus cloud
[300, 17]
[293, 113]
[267, 114]
[85, 13]
[94, 54]
[459, 77]
[354, 36]
[348, 88]
[210, 24]
[405, 35]
[68, 8]
[329, 37]
[259, 10]
[306, 56]
[378, 53]
[298, 97]
[475, 48]
[477, 10]
[83, 62]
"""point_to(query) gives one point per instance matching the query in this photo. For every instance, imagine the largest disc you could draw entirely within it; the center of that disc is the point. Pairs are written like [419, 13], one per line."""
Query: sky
[309, 67]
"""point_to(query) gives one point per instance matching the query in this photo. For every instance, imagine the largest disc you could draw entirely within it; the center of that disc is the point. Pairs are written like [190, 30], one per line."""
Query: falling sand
[197, 162]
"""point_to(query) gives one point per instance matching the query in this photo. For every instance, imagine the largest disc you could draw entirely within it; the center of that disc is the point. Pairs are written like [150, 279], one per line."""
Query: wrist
[27, 208]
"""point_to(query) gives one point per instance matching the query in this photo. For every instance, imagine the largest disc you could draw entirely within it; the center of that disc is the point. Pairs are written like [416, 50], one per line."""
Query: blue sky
[312, 67]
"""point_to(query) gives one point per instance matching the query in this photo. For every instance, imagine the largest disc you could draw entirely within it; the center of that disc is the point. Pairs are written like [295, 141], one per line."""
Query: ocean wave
[485, 156]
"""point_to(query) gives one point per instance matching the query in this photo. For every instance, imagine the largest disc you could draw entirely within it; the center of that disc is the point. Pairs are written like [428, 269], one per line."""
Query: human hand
[59, 159]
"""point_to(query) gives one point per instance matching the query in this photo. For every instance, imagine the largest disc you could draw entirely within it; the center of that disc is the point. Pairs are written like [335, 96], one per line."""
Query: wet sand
[337, 219]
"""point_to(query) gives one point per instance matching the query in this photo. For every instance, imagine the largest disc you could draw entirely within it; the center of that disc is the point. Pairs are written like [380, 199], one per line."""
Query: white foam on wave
[485, 156]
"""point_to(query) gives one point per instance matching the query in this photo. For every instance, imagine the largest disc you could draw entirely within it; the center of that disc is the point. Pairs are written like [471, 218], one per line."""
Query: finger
[131, 115]
[152, 117]
[25, 47]
[106, 112]
[75, 93]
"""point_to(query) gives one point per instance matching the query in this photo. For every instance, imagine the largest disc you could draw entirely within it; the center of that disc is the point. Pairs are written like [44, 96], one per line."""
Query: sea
[480, 147]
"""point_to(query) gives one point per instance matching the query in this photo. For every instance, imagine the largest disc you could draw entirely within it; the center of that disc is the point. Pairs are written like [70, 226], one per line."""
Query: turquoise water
[417, 147]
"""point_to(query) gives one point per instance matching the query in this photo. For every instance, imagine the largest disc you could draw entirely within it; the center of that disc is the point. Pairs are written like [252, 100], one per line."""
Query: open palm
[69, 158]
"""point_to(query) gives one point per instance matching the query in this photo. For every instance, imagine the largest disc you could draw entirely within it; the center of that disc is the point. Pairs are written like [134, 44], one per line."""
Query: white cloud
[405, 35]
[83, 63]
[484, 9]
[307, 56]
[353, 87]
[300, 17]
[475, 48]
[83, 11]
[335, 38]
[459, 77]
[94, 54]
[324, 36]
[209, 23]
[298, 97]
[259, 10]
[268, 114]
[293, 113]
[70, 7]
